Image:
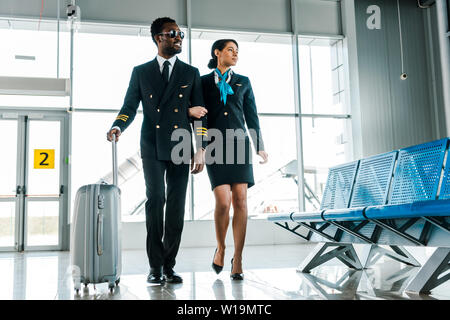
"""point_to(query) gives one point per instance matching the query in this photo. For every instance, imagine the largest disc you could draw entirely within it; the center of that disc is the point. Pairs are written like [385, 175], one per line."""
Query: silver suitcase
[95, 248]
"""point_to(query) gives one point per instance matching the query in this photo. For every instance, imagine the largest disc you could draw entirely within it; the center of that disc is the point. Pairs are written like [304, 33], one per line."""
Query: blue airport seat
[392, 198]
[373, 180]
[339, 186]
[336, 195]
[418, 171]
[415, 184]
[371, 187]
[395, 199]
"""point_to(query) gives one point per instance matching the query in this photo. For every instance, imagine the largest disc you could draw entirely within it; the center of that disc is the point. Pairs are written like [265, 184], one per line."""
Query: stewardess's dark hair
[158, 26]
[219, 44]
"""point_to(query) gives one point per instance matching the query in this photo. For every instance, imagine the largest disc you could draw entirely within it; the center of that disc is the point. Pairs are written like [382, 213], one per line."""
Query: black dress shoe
[155, 275]
[155, 278]
[171, 276]
[236, 276]
[216, 267]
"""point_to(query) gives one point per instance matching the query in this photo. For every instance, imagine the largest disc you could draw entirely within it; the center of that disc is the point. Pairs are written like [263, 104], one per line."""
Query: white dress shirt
[161, 61]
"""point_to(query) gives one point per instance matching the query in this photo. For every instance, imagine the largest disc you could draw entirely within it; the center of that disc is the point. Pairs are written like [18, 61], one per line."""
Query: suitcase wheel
[77, 286]
[111, 289]
[117, 282]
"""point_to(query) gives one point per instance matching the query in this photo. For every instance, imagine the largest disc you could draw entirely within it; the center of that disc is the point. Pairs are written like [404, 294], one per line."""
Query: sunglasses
[174, 34]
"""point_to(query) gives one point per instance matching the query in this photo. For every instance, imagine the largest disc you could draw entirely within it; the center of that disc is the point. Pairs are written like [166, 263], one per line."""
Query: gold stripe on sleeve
[122, 118]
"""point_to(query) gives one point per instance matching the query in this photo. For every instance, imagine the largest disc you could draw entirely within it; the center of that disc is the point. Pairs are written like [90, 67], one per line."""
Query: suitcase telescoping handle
[100, 200]
[114, 157]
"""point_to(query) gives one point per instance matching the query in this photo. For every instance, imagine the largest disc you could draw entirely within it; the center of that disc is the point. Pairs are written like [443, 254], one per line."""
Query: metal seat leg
[344, 252]
[428, 276]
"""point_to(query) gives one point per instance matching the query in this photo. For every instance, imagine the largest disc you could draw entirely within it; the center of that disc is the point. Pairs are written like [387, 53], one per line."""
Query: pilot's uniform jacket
[164, 109]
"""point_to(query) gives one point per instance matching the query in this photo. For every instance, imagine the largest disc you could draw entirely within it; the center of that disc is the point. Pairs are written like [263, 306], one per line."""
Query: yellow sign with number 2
[44, 158]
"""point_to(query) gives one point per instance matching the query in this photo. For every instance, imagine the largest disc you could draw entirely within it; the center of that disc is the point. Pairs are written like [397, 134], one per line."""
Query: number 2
[43, 161]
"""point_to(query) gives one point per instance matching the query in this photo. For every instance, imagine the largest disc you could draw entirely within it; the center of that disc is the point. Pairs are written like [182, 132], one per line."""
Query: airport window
[322, 77]
[275, 188]
[325, 115]
[104, 62]
[325, 144]
[265, 59]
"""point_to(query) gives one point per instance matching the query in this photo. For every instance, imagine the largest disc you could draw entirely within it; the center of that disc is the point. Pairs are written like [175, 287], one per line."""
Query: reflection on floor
[270, 273]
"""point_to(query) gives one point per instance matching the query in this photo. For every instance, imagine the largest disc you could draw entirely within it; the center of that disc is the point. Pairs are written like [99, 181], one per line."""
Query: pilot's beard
[171, 51]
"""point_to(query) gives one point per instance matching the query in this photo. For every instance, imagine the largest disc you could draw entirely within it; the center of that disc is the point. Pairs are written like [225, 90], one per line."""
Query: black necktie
[165, 72]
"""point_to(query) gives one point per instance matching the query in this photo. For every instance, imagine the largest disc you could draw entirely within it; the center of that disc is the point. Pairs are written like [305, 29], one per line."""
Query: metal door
[33, 187]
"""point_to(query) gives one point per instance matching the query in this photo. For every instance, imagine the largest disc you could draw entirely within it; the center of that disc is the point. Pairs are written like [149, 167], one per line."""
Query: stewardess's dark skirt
[236, 167]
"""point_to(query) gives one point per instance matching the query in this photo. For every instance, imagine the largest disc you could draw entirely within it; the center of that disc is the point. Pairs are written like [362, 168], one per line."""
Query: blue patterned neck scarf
[224, 88]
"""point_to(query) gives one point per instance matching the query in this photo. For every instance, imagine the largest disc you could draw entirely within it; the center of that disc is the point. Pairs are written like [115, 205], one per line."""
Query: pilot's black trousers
[164, 228]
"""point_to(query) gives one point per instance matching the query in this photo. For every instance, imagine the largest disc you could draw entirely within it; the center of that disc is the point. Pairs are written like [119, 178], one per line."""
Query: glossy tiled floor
[270, 274]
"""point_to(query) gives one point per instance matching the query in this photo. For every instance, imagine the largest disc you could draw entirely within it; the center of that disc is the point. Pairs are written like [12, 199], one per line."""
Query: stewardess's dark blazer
[239, 110]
